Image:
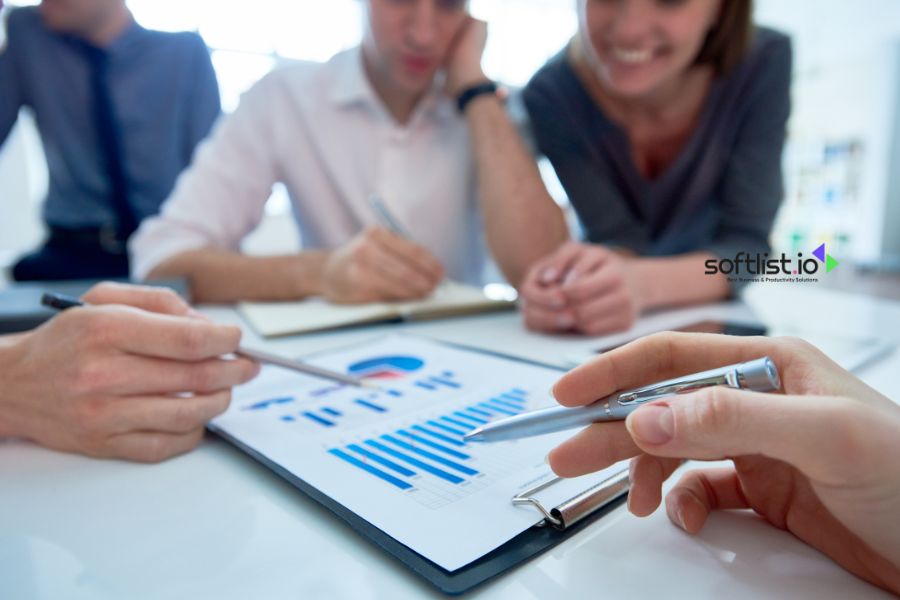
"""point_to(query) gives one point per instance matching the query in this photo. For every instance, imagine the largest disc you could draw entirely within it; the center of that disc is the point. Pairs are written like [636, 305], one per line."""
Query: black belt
[106, 238]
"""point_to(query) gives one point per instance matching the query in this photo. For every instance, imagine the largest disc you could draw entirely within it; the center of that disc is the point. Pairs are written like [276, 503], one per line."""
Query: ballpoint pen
[386, 218]
[390, 221]
[758, 375]
[63, 302]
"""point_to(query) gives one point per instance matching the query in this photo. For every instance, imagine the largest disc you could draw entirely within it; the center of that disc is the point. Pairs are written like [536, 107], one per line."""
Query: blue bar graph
[444, 381]
[416, 462]
[426, 386]
[505, 403]
[446, 428]
[430, 444]
[369, 468]
[515, 399]
[438, 436]
[317, 419]
[430, 455]
[463, 415]
[382, 460]
[331, 411]
[264, 404]
[370, 405]
[325, 391]
[478, 411]
[519, 392]
[495, 408]
[395, 393]
[458, 423]
[288, 418]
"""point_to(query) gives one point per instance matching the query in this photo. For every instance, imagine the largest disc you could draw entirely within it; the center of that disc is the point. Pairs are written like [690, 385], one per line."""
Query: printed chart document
[451, 299]
[395, 456]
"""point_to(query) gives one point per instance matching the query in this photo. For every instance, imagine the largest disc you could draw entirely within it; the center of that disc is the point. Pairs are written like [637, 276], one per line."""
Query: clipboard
[559, 522]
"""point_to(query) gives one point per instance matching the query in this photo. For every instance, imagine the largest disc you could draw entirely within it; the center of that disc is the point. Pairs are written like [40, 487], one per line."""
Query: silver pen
[758, 375]
[386, 218]
[303, 367]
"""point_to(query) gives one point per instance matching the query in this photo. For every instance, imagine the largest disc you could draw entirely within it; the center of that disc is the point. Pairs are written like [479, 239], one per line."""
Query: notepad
[396, 457]
[271, 319]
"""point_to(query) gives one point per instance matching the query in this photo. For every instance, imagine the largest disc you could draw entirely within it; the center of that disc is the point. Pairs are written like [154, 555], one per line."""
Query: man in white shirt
[374, 120]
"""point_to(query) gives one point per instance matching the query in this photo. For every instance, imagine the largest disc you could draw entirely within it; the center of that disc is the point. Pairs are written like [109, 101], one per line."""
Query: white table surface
[214, 524]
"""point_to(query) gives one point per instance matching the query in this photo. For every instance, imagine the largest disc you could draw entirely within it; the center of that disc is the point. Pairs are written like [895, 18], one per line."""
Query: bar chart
[422, 455]
[429, 459]
[396, 455]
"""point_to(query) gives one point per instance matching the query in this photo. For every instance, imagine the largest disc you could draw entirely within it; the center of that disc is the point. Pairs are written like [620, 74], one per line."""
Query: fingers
[655, 358]
[414, 257]
[594, 283]
[130, 375]
[592, 449]
[175, 415]
[613, 311]
[542, 295]
[158, 300]
[647, 474]
[587, 262]
[538, 318]
[700, 492]
[543, 304]
[826, 438]
[393, 279]
[161, 336]
[150, 447]
[554, 268]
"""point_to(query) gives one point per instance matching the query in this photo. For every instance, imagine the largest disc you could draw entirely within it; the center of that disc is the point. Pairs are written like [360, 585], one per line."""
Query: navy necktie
[110, 142]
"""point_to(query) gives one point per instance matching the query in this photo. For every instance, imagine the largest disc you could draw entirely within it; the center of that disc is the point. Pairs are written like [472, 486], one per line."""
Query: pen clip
[679, 386]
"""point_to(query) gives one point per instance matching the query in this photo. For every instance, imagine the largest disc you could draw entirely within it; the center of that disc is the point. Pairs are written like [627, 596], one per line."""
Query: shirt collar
[132, 33]
[352, 86]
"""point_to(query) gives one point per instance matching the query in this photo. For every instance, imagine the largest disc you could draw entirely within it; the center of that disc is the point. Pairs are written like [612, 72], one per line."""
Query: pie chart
[386, 367]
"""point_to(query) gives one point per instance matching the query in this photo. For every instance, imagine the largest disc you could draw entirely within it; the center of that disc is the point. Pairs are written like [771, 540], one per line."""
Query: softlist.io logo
[825, 258]
[747, 267]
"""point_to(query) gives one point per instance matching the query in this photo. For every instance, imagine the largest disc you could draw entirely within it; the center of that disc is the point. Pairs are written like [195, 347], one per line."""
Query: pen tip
[475, 435]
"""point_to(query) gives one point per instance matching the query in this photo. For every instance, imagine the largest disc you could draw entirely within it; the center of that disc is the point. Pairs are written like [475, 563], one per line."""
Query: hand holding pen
[817, 460]
[758, 375]
[380, 264]
[136, 376]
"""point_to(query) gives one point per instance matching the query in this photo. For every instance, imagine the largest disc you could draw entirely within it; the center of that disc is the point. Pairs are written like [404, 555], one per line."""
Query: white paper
[451, 518]
[317, 314]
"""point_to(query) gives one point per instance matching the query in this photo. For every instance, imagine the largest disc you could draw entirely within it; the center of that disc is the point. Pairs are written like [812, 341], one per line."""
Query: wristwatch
[472, 92]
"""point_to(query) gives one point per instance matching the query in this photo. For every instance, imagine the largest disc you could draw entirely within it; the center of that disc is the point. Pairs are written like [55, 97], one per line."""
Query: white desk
[215, 524]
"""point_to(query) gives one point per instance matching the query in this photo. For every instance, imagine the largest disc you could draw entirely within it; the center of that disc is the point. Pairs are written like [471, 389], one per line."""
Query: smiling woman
[665, 121]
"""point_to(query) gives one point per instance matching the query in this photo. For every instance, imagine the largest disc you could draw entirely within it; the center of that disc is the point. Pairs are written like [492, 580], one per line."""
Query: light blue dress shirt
[165, 99]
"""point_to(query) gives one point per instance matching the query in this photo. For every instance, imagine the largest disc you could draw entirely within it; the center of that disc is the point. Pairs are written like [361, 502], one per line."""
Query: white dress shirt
[322, 131]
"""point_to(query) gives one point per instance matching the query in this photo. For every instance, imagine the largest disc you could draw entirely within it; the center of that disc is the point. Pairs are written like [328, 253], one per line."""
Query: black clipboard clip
[577, 507]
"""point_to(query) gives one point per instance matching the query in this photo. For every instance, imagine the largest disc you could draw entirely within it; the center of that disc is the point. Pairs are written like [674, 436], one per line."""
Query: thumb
[824, 437]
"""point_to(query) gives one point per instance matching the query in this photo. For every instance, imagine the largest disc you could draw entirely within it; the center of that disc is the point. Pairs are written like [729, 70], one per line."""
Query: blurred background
[842, 161]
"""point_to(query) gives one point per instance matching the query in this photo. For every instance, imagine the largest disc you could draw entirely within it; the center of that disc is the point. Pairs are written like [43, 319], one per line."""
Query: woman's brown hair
[729, 39]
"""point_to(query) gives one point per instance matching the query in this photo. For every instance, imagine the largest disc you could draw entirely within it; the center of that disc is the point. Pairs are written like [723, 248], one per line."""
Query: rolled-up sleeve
[220, 199]
[753, 183]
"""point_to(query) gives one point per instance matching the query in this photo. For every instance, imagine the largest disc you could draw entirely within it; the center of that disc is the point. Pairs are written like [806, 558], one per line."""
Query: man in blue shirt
[120, 110]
